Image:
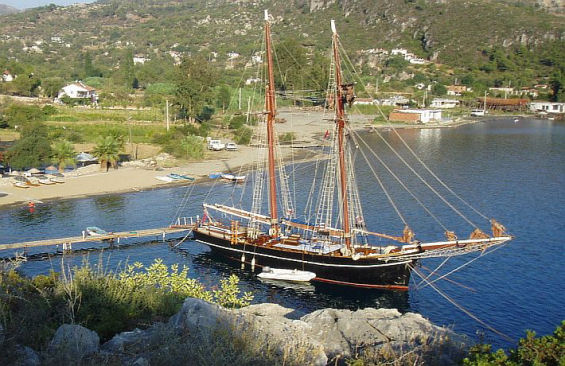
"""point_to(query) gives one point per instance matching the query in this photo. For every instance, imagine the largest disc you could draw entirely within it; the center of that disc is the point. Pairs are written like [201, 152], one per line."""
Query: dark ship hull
[339, 270]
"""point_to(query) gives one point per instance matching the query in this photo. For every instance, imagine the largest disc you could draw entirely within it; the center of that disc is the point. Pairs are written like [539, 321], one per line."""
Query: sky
[24, 4]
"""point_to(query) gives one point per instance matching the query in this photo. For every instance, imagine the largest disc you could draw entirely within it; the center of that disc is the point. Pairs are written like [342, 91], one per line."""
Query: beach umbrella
[51, 167]
[34, 171]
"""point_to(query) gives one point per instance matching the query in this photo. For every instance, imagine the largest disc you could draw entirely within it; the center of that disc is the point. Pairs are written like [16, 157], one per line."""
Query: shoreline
[90, 181]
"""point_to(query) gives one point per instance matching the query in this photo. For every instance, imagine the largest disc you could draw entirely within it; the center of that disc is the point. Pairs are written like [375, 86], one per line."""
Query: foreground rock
[265, 334]
[72, 342]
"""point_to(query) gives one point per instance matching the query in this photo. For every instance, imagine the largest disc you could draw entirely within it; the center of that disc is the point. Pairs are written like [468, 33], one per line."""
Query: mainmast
[271, 113]
[340, 120]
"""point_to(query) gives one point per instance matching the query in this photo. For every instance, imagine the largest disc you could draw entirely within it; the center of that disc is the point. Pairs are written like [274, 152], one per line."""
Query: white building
[252, 81]
[140, 59]
[399, 51]
[416, 115]
[444, 103]
[395, 100]
[417, 61]
[78, 90]
[548, 107]
[364, 101]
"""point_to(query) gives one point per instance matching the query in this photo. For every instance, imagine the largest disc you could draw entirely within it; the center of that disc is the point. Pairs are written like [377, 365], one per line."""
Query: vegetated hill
[458, 33]
[6, 9]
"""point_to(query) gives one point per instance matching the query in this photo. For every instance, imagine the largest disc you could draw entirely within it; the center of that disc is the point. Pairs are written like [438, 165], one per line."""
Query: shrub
[237, 122]
[287, 137]
[243, 135]
[32, 309]
[547, 350]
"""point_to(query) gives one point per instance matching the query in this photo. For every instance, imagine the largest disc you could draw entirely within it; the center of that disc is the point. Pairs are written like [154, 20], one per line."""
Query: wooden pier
[113, 237]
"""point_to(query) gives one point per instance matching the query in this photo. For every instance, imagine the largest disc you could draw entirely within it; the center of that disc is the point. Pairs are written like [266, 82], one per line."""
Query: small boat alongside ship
[292, 275]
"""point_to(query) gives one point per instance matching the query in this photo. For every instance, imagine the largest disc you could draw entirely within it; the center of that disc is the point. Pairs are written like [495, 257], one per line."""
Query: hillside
[465, 34]
[6, 9]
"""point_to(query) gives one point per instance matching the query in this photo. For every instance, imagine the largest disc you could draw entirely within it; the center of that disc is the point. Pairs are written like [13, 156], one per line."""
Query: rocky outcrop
[73, 342]
[269, 332]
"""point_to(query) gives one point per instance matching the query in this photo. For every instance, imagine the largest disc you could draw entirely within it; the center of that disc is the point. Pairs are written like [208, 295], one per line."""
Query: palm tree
[63, 154]
[107, 152]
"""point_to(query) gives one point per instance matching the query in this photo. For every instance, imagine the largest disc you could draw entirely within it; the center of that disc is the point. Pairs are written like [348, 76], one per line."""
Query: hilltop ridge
[7, 9]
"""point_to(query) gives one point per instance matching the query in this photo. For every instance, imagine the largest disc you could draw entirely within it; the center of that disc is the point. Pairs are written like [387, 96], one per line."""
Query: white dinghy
[280, 274]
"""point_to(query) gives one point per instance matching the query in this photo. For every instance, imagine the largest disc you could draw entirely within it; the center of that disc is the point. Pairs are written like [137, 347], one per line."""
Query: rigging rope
[390, 200]
[425, 182]
[398, 180]
[466, 263]
[435, 270]
[436, 177]
[464, 310]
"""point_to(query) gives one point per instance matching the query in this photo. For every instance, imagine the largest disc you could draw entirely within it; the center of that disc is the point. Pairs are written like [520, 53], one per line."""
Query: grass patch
[31, 309]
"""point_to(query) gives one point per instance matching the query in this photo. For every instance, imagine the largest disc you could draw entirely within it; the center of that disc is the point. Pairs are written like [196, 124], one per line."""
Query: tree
[318, 72]
[32, 149]
[223, 97]
[21, 114]
[51, 86]
[125, 75]
[89, 69]
[194, 87]
[439, 89]
[193, 147]
[63, 154]
[27, 85]
[291, 61]
[107, 152]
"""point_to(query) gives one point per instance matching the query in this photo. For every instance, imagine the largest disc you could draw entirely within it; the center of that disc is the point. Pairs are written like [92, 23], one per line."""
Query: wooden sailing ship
[336, 245]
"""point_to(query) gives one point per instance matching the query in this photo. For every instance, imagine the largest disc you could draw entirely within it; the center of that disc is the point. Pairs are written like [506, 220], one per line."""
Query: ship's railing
[186, 221]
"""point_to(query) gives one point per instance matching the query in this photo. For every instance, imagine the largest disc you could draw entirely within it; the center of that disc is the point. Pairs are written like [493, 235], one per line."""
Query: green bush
[243, 135]
[32, 309]
[546, 350]
[237, 122]
[287, 137]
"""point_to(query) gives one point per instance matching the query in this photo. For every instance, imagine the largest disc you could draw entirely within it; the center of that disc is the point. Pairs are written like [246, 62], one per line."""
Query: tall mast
[271, 113]
[340, 120]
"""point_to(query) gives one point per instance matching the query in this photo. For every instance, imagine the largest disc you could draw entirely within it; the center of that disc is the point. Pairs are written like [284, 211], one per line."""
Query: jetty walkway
[112, 237]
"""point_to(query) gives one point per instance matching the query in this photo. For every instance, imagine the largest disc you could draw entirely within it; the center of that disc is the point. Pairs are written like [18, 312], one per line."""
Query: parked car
[216, 145]
[231, 146]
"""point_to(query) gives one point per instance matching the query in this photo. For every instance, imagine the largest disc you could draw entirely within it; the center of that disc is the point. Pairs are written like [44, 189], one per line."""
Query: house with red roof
[78, 90]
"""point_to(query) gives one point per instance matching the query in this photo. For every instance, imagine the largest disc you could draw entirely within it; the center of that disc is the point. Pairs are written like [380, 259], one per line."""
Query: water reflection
[110, 203]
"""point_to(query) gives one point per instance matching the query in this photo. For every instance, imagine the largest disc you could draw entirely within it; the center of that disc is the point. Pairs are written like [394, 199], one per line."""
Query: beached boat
[57, 177]
[174, 177]
[280, 274]
[95, 231]
[20, 182]
[334, 241]
[42, 179]
[233, 178]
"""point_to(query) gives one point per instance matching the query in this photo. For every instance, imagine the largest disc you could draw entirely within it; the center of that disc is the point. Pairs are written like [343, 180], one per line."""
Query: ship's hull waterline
[364, 272]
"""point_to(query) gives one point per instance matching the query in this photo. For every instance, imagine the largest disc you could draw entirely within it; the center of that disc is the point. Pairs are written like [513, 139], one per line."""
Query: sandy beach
[308, 126]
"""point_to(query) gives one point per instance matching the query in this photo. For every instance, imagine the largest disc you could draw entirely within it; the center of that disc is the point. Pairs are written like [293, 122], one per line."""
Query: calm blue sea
[514, 172]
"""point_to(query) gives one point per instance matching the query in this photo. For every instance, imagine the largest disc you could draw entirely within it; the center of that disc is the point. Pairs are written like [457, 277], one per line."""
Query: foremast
[271, 114]
[340, 122]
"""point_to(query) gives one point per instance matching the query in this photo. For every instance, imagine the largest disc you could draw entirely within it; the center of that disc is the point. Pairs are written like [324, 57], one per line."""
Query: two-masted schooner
[336, 245]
